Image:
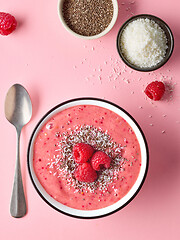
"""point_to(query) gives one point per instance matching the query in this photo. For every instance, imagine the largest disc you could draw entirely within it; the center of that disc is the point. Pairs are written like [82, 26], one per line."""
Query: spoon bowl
[18, 107]
[18, 111]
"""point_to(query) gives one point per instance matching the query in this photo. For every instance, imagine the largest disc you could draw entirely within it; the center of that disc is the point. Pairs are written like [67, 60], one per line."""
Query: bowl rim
[152, 17]
[98, 100]
[101, 34]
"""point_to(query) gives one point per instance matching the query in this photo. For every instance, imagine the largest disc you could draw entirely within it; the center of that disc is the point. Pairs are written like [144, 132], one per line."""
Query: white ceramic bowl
[115, 15]
[133, 191]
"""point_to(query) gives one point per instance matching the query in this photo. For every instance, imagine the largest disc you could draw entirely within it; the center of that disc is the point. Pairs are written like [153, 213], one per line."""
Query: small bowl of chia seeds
[88, 19]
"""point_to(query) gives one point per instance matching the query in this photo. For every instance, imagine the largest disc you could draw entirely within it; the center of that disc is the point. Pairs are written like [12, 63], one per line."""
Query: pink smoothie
[104, 130]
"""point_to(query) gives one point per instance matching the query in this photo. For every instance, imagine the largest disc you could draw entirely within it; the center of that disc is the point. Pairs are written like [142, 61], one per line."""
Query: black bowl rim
[153, 18]
[79, 99]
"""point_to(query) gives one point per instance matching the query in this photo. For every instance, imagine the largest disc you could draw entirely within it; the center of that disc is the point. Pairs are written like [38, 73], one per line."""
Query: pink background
[54, 66]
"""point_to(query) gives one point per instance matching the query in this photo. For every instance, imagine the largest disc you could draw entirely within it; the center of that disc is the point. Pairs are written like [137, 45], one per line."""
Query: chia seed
[100, 140]
[87, 17]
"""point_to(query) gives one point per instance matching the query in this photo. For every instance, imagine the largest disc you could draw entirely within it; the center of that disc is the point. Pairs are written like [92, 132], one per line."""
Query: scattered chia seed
[87, 17]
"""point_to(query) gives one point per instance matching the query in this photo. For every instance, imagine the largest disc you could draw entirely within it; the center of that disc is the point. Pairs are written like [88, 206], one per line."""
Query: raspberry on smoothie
[82, 152]
[99, 160]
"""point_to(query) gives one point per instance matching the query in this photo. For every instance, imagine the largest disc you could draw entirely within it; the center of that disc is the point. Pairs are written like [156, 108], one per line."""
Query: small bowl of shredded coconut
[145, 42]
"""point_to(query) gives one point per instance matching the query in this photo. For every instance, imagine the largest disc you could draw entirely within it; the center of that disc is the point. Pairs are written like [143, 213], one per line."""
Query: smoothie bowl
[87, 158]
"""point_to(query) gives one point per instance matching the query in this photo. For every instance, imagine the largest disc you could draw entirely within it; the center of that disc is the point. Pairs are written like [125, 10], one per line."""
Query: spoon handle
[18, 202]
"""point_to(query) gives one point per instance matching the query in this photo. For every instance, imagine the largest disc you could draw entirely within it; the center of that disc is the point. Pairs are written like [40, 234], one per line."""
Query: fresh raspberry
[85, 173]
[8, 23]
[100, 160]
[82, 152]
[155, 90]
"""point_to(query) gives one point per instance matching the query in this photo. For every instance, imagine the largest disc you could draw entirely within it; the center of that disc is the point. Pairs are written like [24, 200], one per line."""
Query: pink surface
[55, 66]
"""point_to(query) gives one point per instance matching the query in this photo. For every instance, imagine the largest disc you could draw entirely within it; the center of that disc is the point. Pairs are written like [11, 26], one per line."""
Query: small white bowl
[114, 18]
[123, 201]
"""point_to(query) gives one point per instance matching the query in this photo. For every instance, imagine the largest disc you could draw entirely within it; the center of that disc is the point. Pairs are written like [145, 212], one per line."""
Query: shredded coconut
[143, 43]
[63, 161]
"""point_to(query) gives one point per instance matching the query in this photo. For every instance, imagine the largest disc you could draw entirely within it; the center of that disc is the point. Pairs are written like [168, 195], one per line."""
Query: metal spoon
[18, 111]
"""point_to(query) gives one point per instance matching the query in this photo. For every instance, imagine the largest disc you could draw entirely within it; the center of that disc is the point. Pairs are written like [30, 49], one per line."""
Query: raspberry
[155, 90]
[85, 173]
[100, 160]
[82, 152]
[8, 23]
